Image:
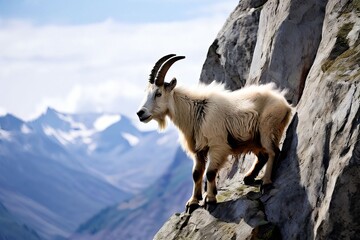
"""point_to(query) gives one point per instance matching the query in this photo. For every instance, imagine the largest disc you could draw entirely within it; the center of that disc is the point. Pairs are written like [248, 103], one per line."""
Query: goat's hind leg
[271, 130]
[267, 179]
[273, 151]
[258, 164]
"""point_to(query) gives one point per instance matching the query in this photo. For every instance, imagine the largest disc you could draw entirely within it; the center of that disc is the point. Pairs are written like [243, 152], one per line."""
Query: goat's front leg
[198, 173]
[217, 159]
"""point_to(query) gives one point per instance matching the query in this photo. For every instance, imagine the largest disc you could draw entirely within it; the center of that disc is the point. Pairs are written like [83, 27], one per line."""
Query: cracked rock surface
[238, 215]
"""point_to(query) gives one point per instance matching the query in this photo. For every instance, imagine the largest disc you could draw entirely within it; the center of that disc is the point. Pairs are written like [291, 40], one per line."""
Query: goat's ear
[170, 86]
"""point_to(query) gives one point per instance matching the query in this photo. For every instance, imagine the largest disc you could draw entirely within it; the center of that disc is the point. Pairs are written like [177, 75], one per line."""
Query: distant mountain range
[61, 171]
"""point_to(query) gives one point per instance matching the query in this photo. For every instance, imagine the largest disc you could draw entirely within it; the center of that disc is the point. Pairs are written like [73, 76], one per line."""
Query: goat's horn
[159, 81]
[157, 65]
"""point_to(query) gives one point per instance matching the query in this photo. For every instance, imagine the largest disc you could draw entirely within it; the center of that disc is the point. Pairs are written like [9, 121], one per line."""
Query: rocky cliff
[311, 48]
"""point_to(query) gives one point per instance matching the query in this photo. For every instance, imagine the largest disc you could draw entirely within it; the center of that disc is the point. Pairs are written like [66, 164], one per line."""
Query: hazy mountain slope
[146, 211]
[37, 186]
[11, 228]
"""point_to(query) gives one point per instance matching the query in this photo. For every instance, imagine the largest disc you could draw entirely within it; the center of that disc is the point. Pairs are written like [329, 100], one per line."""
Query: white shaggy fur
[214, 123]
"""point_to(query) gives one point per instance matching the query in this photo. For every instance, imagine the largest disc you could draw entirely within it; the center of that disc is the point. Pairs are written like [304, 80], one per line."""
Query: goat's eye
[158, 94]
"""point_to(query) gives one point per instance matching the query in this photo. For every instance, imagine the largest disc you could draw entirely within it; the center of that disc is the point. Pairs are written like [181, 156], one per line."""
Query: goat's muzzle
[142, 115]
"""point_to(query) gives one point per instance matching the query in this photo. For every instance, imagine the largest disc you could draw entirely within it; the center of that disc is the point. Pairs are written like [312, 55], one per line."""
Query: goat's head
[156, 101]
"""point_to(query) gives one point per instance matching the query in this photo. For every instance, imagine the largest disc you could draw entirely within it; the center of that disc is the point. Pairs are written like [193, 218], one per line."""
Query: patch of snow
[71, 136]
[105, 121]
[73, 124]
[49, 131]
[133, 140]
[25, 129]
[5, 135]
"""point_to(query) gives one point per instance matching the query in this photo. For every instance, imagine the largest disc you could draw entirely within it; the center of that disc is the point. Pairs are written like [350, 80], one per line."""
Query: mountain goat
[215, 123]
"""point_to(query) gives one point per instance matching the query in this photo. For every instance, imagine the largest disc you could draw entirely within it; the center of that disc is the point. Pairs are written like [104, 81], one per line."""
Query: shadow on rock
[287, 205]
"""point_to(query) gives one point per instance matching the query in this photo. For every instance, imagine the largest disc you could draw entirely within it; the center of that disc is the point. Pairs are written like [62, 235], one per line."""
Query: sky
[95, 56]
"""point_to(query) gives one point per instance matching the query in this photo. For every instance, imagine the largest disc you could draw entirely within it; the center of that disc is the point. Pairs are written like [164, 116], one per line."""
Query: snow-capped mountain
[100, 139]
[60, 169]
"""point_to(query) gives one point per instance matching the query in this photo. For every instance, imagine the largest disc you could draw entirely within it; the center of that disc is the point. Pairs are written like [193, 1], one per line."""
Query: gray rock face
[313, 49]
[230, 55]
[288, 37]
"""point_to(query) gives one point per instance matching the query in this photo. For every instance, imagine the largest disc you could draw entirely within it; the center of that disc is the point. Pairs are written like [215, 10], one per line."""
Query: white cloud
[95, 67]
[109, 96]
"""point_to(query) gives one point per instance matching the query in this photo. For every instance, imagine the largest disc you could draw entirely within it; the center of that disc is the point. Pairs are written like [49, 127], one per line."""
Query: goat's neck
[182, 111]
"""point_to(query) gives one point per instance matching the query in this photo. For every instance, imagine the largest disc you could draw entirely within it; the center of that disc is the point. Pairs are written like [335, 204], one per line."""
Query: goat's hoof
[249, 180]
[265, 188]
[252, 181]
[210, 205]
[192, 207]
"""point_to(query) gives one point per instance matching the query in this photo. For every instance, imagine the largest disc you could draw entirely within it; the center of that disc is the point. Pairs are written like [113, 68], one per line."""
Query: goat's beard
[161, 122]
